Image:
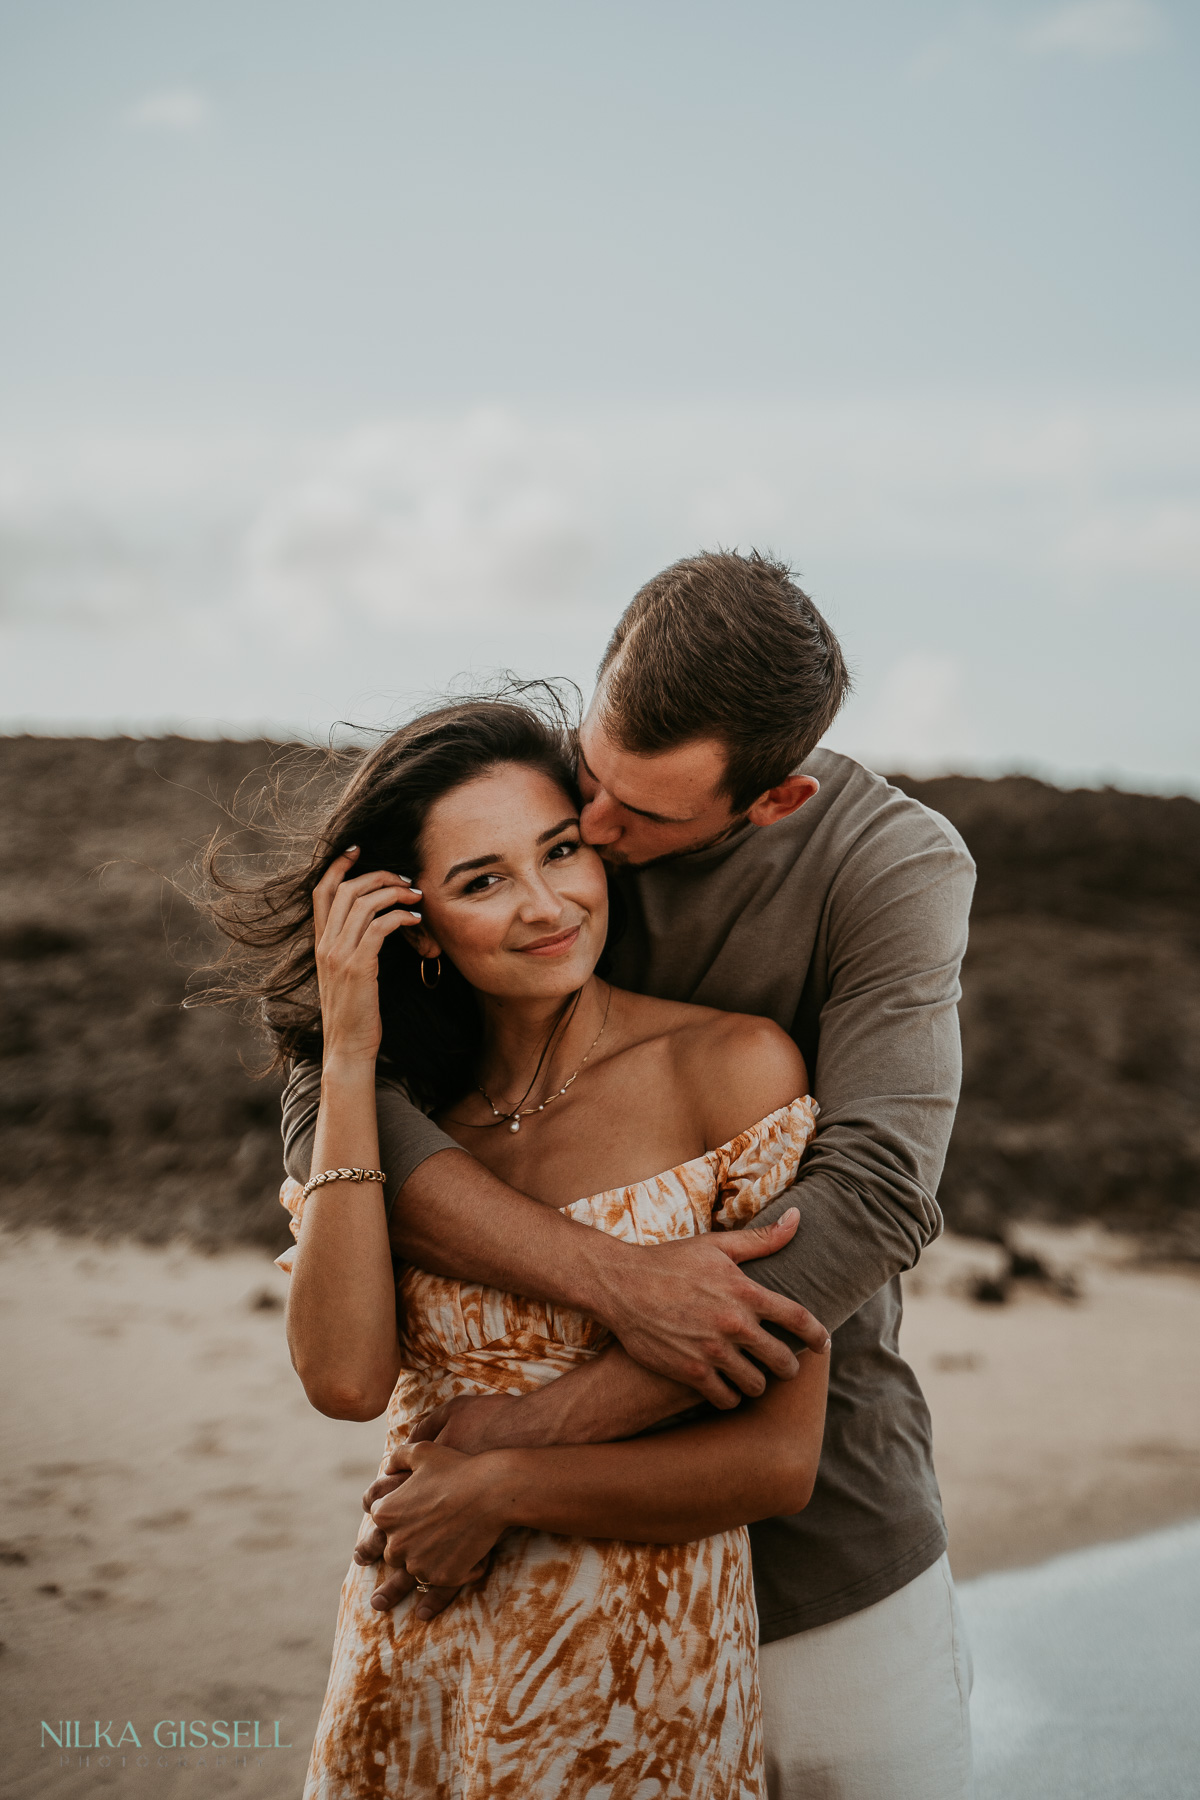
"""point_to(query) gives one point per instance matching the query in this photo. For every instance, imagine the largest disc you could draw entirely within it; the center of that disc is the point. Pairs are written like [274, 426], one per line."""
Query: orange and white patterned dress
[579, 1668]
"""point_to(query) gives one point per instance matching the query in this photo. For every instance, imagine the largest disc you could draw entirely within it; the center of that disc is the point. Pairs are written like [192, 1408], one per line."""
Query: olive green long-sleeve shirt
[845, 923]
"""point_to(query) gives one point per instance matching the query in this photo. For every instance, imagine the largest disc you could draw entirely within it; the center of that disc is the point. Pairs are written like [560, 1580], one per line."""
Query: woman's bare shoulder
[740, 1068]
[734, 1068]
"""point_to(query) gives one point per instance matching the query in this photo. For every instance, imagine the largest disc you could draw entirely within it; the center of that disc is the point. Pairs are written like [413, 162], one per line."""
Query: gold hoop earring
[437, 977]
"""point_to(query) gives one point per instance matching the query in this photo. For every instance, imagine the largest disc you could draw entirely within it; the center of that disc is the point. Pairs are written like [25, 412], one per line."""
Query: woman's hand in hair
[352, 916]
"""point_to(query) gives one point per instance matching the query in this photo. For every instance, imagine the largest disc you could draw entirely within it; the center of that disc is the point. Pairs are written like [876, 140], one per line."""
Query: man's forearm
[849, 1244]
[609, 1398]
[495, 1235]
[451, 1216]
[680, 1308]
[887, 1073]
[612, 1397]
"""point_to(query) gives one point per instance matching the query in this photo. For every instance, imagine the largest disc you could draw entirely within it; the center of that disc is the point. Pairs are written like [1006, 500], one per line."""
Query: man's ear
[781, 801]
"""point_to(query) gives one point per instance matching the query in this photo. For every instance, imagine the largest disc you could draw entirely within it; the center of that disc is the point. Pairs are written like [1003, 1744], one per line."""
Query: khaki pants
[874, 1706]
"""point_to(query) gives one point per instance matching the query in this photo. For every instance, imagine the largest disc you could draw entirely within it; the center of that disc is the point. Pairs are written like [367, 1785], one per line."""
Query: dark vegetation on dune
[1080, 1010]
[122, 1113]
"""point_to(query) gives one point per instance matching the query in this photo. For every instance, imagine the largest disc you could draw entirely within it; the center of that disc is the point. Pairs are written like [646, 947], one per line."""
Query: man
[761, 875]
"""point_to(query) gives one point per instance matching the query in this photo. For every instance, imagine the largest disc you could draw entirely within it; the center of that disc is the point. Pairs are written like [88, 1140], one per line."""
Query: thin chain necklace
[516, 1115]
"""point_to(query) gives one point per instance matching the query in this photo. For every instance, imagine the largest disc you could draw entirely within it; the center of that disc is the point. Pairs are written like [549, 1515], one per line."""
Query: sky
[349, 351]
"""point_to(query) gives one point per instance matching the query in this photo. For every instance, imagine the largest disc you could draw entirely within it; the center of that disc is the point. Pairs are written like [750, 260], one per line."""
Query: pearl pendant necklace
[514, 1118]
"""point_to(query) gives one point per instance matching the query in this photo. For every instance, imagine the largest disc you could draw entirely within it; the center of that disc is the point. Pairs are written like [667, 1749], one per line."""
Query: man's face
[638, 809]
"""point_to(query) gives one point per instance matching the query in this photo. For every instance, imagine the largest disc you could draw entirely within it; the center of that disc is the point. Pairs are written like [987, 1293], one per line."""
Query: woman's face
[511, 894]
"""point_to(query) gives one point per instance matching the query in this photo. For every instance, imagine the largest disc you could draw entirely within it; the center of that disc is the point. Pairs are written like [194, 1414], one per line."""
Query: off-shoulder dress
[579, 1667]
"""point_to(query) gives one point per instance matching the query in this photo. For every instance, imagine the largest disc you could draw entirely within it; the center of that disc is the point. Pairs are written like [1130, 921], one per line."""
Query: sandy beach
[177, 1519]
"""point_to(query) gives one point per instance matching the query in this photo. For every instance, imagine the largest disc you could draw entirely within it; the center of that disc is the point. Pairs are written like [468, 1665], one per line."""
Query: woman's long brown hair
[380, 802]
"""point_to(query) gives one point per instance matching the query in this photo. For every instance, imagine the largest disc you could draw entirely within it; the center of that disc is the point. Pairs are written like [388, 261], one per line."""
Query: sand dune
[123, 1115]
[177, 1519]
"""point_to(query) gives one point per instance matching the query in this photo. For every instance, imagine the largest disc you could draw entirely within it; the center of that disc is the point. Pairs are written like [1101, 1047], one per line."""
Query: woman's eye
[561, 851]
[480, 884]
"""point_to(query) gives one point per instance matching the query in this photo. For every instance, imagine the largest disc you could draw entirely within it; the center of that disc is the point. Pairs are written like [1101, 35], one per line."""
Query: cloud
[492, 517]
[1138, 541]
[1095, 28]
[425, 522]
[918, 718]
[67, 571]
[178, 110]
[284, 581]
[934, 59]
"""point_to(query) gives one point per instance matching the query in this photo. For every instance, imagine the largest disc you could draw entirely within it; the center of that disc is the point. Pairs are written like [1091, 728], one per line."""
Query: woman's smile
[551, 946]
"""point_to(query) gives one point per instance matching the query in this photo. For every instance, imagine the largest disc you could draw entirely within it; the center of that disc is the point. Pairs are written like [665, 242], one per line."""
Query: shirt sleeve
[406, 1136]
[888, 1071]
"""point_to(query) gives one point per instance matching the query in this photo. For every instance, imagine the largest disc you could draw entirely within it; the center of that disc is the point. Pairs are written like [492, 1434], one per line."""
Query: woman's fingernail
[352, 850]
[416, 890]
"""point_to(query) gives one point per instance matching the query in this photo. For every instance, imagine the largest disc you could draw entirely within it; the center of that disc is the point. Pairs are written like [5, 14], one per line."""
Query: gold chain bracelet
[317, 1181]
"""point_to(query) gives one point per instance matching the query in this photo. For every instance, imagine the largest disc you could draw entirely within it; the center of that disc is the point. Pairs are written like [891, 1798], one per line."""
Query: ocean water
[1087, 1674]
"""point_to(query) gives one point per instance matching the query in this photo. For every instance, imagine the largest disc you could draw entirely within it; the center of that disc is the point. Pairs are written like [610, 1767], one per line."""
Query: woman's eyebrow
[483, 862]
[476, 862]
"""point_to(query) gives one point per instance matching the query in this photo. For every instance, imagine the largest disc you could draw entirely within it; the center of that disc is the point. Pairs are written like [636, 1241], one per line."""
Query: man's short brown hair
[726, 646]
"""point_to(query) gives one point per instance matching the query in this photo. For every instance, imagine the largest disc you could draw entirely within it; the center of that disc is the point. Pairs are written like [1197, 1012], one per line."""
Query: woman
[610, 1647]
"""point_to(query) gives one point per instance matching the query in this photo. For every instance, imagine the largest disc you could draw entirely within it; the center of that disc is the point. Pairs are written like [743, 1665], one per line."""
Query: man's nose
[599, 822]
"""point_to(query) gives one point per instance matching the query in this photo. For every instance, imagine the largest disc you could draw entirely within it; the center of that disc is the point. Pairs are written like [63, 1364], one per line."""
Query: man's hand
[475, 1422]
[682, 1310]
[685, 1310]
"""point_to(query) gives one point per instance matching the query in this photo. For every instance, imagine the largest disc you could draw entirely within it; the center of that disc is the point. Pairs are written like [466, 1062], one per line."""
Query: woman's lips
[551, 946]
